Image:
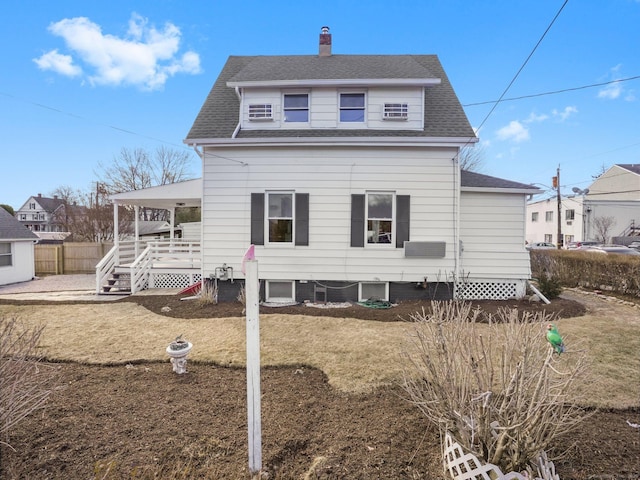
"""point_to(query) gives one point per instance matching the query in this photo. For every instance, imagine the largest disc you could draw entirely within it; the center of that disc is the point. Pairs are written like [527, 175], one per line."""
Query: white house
[613, 199]
[343, 171]
[17, 260]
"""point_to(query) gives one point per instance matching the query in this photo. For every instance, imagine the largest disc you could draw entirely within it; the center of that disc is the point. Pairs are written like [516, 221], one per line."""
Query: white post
[116, 231]
[136, 227]
[252, 295]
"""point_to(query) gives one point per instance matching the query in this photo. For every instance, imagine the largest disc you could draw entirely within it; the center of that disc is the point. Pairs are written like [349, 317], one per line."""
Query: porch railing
[168, 255]
[141, 256]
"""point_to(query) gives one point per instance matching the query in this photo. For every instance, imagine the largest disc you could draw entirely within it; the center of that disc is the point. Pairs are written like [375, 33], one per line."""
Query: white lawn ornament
[466, 466]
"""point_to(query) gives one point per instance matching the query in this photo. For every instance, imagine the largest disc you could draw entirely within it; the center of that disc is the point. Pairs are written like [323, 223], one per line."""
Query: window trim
[386, 290]
[297, 109]
[394, 220]
[8, 254]
[269, 298]
[363, 108]
[268, 218]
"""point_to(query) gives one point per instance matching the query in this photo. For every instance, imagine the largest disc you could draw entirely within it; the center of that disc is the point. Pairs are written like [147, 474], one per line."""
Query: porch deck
[137, 265]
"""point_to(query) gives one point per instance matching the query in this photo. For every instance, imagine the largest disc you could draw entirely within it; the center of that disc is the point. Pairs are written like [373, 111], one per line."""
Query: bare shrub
[25, 382]
[496, 387]
[208, 293]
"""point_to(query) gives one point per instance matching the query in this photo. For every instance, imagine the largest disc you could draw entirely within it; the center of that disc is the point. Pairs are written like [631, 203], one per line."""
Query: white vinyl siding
[22, 260]
[330, 176]
[324, 109]
[492, 236]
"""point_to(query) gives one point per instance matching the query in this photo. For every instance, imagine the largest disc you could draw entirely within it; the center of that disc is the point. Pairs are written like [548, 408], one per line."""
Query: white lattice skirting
[173, 280]
[490, 290]
[466, 466]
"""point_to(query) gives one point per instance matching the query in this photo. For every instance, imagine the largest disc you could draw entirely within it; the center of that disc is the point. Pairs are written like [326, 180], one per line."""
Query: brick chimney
[325, 43]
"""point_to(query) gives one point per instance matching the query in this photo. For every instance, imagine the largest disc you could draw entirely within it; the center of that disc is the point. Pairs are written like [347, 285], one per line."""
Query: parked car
[613, 249]
[577, 245]
[540, 246]
[634, 245]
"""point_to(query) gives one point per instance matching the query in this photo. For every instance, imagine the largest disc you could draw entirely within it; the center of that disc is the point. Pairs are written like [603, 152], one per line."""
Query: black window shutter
[403, 210]
[302, 219]
[257, 218]
[357, 220]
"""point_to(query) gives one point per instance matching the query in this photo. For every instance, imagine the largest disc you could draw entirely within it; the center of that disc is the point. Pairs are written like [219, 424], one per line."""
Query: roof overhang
[333, 141]
[173, 195]
[337, 82]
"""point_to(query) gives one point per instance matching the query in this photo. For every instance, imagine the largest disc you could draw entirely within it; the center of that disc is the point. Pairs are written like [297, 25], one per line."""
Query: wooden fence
[69, 257]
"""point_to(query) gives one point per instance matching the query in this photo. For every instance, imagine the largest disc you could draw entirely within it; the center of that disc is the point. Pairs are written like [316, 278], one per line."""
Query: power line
[554, 92]
[495, 104]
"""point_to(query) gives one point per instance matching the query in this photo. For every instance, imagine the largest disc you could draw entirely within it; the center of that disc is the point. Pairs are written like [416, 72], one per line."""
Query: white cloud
[145, 57]
[515, 131]
[534, 117]
[611, 91]
[62, 64]
[564, 114]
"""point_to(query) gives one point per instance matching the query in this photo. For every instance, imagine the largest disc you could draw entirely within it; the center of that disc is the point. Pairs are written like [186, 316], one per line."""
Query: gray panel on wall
[425, 249]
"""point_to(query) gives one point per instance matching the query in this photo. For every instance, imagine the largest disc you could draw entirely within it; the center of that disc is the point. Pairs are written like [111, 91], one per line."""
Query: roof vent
[325, 42]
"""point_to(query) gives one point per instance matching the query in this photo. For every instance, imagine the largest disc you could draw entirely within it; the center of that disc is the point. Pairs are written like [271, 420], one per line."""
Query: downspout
[239, 95]
[456, 222]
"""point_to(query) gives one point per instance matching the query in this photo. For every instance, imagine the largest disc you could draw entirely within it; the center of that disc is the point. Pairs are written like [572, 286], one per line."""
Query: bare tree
[471, 158]
[602, 227]
[135, 169]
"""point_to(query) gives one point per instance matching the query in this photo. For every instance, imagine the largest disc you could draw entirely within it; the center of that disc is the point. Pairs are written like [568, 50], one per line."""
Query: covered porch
[139, 264]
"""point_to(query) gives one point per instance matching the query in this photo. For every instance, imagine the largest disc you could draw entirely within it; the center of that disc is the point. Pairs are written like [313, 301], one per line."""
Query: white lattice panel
[174, 280]
[486, 291]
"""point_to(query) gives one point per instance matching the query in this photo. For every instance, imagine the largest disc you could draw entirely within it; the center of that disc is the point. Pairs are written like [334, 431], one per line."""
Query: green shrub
[549, 285]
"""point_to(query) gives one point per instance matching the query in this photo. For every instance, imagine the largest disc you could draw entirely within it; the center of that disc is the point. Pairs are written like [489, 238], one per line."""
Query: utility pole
[557, 185]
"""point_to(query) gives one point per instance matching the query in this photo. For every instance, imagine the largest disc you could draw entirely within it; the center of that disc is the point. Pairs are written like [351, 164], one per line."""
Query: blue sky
[81, 80]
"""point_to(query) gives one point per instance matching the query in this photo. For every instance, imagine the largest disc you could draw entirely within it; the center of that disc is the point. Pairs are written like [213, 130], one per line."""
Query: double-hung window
[280, 218]
[6, 257]
[296, 107]
[352, 107]
[534, 216]
[570, 215]
[379, 215]
[280, 208]
[548, 216]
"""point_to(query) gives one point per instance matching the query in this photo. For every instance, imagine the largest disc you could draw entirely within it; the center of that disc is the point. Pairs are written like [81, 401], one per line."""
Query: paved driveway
[56, 287]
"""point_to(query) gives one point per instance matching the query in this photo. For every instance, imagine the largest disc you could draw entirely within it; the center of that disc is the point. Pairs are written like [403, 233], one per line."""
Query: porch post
[136, 210]
[172, 219]
[116, 233]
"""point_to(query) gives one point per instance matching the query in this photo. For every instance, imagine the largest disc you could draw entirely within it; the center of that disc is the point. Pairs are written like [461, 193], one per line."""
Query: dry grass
[356, 355]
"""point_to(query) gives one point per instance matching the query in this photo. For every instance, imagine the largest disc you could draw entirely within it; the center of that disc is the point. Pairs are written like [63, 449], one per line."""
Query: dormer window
[296, 107]
[395, 111]
[260, 112]
[352, 107]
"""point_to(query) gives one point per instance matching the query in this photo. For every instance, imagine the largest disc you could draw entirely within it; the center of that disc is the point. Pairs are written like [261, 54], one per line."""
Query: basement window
[280, 291]
[373, 291]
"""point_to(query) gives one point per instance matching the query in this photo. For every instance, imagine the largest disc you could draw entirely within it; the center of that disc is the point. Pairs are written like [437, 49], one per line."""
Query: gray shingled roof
[632, 167]
[478, 180]
[218, 117]
[12, 229]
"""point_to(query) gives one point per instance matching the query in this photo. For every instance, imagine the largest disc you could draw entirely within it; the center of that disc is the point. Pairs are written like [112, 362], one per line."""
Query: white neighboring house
[342, 170]
[542, 220]
[17, 258]
[613, 197]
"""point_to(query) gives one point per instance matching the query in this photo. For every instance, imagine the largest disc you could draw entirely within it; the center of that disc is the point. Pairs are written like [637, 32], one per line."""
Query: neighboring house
[613, 199]
[17, 260]
[43, 214]
[542, 220]
[342, 170]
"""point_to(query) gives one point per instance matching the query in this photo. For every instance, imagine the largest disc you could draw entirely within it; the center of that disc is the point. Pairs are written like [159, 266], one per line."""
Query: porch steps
[117, 284]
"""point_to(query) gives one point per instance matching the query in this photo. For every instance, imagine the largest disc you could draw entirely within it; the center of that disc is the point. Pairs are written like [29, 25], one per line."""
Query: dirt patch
[119, 422]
